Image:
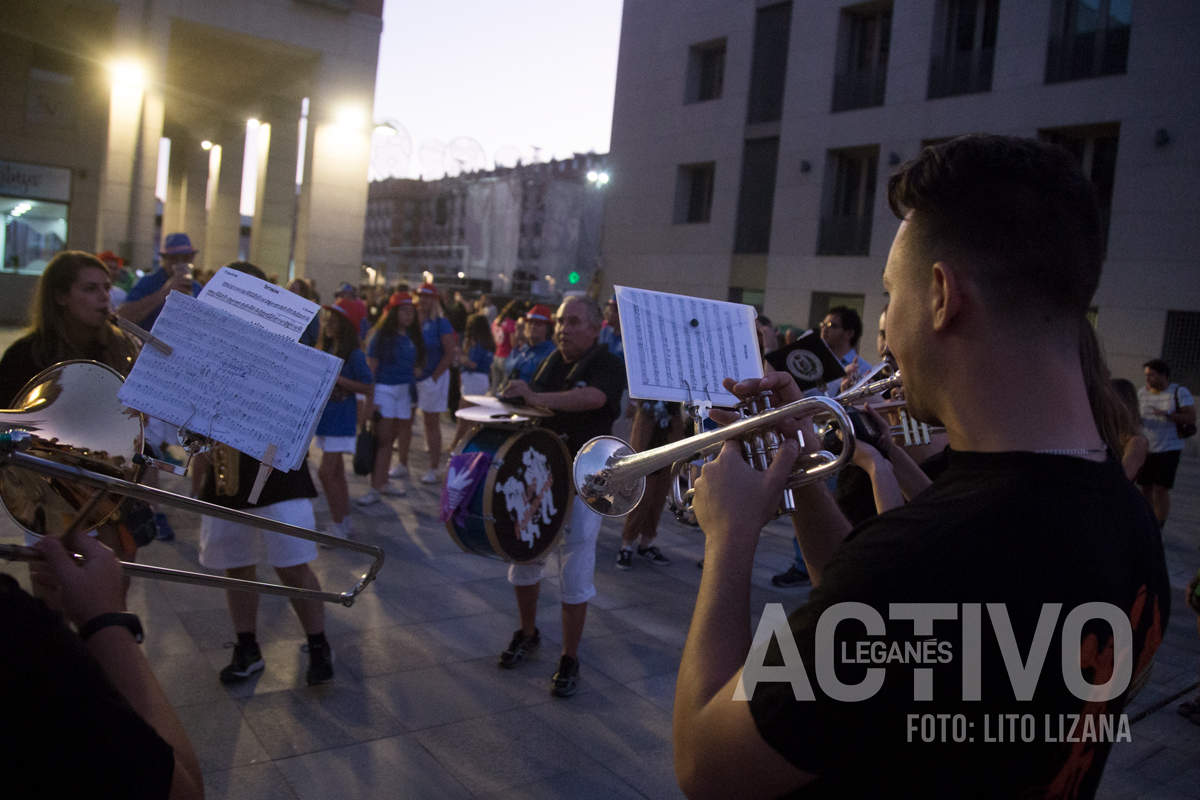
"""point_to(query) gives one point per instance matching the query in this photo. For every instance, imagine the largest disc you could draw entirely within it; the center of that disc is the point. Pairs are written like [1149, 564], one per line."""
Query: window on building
[964, 47]
[864, 37]
[441, 210]
[706, 72]
[694, 192]
[751, 297]
[756, 196]
[849, 199]
[1095, 147]
[823, 301]
[1181, 348]
[1088, 38]
[33, 232]
[768, 65]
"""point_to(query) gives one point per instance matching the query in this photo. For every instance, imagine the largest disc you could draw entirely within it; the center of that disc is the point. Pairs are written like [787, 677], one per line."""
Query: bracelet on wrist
[98, 623]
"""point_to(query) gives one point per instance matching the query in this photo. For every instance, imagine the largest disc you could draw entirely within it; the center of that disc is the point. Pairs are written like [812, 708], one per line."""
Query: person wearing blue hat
[146, 299]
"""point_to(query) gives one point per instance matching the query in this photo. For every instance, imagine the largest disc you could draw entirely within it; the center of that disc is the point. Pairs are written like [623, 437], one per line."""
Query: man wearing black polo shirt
[581, 382]
[982, 640]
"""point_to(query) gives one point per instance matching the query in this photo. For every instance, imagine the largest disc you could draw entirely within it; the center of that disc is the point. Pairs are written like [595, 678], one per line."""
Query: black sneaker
[625, 558]
[320, 664]
[793, 577]
[519, 647]
[654, 555]
[246, 662]
[566, 679]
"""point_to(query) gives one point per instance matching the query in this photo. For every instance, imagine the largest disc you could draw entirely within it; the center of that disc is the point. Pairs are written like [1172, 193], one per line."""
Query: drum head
[490, 416]
[500, 407]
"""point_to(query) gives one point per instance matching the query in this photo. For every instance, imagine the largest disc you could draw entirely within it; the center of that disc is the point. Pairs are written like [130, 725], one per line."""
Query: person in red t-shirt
[504, 331]
[356, 310]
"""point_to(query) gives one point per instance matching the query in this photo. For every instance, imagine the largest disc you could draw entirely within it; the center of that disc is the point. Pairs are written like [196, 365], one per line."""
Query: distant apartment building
[527, 231]
[752, 143]
[124, 120]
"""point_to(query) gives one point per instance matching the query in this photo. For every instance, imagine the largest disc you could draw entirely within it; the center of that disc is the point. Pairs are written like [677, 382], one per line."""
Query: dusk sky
[515, 73]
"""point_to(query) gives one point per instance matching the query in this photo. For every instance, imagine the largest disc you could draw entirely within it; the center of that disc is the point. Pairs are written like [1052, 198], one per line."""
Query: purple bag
[463, 475]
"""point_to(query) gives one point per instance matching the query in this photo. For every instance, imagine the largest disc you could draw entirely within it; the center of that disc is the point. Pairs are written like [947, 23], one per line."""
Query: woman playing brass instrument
[69, 319]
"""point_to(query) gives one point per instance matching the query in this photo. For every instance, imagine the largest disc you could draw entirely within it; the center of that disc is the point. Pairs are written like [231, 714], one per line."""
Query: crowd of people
[1046, 488]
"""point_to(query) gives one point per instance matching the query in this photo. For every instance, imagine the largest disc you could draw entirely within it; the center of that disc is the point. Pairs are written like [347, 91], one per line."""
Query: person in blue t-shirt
[147, 297]
[610, 334]
[396, 354]
[433, 384]
[339, 423]
[539, 325]
[475, 365]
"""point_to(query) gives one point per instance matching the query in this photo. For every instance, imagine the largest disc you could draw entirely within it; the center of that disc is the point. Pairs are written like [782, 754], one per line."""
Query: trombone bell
[606, 498]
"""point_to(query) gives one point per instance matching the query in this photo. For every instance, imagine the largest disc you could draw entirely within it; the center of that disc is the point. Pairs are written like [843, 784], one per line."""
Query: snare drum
[521, 508]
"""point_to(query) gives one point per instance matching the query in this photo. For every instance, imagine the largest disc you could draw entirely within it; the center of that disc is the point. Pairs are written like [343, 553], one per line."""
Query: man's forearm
[138, 310]
[583, 398]
[820, 527]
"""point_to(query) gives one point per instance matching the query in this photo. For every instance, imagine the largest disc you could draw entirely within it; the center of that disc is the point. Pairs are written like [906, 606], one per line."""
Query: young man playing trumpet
[944, 641]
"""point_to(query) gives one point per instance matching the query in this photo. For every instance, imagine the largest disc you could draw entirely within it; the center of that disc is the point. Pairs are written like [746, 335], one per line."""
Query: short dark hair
[850, 321]
[1159, 366]
[1020, 214]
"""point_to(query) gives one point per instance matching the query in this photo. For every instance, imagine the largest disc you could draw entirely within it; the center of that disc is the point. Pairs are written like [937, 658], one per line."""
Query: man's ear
[946, 296]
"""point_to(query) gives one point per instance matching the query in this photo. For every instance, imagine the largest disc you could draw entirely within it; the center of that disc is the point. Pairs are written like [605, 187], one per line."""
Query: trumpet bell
[606, 499]
[72, 412]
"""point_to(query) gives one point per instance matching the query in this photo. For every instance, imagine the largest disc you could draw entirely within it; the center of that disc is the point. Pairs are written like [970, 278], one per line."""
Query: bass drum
[520, 509]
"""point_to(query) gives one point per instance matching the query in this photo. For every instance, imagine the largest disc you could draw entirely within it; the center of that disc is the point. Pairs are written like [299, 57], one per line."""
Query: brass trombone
[611, 477]
[69, 435]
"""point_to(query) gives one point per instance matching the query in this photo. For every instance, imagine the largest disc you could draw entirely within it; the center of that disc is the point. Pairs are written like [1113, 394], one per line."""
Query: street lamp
[598, 178]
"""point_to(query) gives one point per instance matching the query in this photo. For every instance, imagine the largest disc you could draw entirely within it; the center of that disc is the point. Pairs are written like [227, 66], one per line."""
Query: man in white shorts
[235, 548]
[582, 382]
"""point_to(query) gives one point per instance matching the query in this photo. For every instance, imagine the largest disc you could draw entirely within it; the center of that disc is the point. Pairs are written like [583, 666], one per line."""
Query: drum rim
[489, 489]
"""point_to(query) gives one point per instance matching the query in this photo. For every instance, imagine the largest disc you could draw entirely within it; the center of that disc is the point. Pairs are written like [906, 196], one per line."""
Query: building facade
[122, 120]
[752, 142]
[527, 231]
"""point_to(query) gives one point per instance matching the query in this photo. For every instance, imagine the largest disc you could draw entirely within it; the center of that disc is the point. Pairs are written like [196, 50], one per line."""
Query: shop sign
[35, 182]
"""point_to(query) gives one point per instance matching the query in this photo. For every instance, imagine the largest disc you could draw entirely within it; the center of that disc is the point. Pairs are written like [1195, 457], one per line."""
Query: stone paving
[419, 709]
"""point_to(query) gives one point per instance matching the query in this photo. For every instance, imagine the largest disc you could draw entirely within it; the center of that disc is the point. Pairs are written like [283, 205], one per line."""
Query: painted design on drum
[530, 501]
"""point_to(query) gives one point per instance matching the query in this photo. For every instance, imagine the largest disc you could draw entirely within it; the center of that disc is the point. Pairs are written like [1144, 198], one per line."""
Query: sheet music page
[260, 302]
[233, 381]
[675, 343]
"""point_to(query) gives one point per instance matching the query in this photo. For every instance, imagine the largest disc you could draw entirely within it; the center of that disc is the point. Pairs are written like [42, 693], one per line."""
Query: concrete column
[271, 236]
[334, 201]
[223, 225]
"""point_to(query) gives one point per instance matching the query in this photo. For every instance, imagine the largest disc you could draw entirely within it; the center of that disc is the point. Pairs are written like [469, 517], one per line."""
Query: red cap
[111, 259]
[540, 314]
[428, 290]
[400, 299]
[338, 308]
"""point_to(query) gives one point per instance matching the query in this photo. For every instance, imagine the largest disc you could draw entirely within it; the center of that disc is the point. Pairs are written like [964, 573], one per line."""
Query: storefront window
[33, 210]
[34, 230]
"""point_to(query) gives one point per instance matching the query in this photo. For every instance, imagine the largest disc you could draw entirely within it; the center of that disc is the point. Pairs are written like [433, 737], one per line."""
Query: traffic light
[573, 278]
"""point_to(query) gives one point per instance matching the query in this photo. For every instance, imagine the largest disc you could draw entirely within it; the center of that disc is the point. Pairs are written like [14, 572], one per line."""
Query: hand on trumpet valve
[781, 389]
[733, 496]
[87, 589]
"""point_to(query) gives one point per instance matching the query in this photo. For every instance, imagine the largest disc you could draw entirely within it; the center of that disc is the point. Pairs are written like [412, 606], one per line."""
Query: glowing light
[206, 145]
[593, 175]
[573, 278]
[128, 73]
[350, 116]
[602, 178]
[164, 166]
[462, 275]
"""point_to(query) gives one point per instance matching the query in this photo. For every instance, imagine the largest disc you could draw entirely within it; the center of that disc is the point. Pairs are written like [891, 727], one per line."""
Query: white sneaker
[398, 471]
[339, 529]
[368, 499]
[393, 490]
[431, 477]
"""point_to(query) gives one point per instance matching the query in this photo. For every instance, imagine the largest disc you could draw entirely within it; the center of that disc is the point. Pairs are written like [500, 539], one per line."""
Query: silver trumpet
[611, 477]
[70, 452]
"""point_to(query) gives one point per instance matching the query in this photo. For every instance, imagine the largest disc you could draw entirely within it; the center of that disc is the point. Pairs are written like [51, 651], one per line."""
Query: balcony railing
[844, 236]
[862, 89]
[961, 73]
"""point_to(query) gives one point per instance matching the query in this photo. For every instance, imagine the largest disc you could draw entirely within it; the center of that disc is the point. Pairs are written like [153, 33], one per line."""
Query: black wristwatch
[99, 623]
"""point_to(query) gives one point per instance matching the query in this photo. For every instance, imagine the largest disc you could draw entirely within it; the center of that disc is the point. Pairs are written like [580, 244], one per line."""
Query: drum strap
[553, 360]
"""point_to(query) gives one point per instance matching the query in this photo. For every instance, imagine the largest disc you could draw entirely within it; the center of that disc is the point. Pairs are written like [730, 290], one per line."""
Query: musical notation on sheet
[260, 302]
[232, 381]
[679, 348]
